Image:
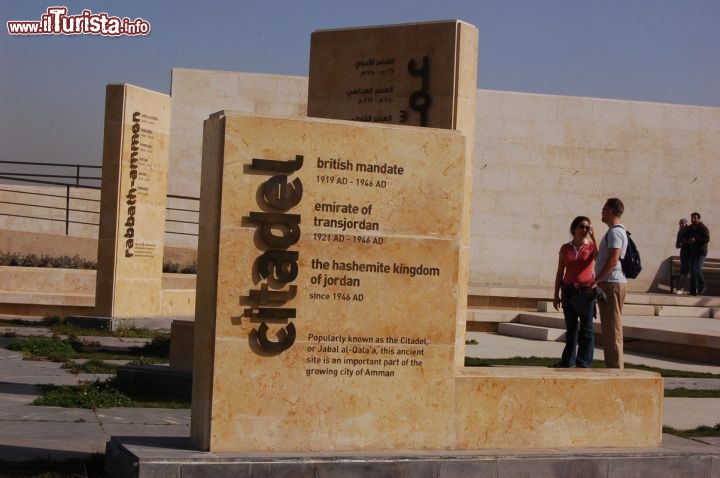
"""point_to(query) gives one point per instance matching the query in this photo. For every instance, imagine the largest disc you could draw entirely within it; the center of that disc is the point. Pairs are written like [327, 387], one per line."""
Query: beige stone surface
[177, 303]
[52, 210]
[196, 94]
[132, 219]
[521, 407]
[421, 74]
[374, 361]
[541, 160]
[397, 237]
[42, 279]
[398, 74]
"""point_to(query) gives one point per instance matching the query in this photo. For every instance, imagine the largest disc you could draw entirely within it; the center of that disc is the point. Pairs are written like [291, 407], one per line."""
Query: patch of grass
[549, 361]
[93, 467]
[33, 260]
[691, 393]
[91, 366]
[673, 373]
[35, 348]
[102, 394]
[174, 267]
[97, 394]
[58, 326]
[138, 332]
[146, 361]
[516, 362]
[62, 350]
[471, 342]
[161, 403]
[702, 431]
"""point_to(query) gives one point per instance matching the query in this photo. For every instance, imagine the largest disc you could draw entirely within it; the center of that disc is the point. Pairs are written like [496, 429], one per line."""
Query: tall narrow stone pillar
[133, 202]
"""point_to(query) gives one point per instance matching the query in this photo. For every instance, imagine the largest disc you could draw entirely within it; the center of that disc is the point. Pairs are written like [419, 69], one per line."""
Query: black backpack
[631, 264]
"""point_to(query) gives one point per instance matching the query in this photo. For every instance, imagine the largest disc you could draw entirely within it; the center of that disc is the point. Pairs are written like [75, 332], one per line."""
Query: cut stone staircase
[688, 328]
[549, 324]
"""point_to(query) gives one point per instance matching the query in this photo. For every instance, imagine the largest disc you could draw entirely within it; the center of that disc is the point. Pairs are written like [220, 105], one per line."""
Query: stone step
[491, 315]
[555, 321]
[46, 298]
[652, 310]
[628, 309]
[681, 311]
[514, 329]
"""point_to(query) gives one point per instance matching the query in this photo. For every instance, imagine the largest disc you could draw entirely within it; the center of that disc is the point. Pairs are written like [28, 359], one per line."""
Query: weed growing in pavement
[699, 432]
[103, 394]
[548, 361]
[691, 393]
[91, 366]
[97, 394]
[61, 350]
[35, 348]
[59, 326]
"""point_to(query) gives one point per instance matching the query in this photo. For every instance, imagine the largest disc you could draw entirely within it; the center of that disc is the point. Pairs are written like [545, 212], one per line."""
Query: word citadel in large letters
[277, 266]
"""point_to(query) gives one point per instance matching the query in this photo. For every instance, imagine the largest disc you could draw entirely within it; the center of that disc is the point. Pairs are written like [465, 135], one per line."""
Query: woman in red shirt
[574, 274]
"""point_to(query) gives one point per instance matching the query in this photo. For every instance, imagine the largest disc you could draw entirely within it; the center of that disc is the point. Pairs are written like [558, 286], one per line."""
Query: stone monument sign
[330, 308]
[420, 74]
[328, 294]
[133, 201]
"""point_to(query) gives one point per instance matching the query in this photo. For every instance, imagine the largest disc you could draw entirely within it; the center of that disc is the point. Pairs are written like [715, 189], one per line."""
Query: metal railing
[26, 203]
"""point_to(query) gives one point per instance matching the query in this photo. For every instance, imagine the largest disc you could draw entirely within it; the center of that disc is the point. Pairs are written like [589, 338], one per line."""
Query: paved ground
[29, 432]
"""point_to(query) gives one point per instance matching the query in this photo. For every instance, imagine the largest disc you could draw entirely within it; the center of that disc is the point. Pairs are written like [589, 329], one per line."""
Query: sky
[52, 87]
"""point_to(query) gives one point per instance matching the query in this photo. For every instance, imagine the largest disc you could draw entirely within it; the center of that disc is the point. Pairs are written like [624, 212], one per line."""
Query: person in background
[698, 238]
[574, 276]
[610, 278]
[684, 246]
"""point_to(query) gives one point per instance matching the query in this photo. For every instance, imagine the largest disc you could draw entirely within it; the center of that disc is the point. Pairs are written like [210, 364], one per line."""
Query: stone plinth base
[168, 457]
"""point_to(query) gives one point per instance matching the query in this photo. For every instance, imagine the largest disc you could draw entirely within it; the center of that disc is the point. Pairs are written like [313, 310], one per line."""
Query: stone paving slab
[144, 416]
[690, 413]
[692, 383]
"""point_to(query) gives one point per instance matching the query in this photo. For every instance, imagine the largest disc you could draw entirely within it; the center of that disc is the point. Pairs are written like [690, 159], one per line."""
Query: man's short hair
[697, 214]
[616, 206]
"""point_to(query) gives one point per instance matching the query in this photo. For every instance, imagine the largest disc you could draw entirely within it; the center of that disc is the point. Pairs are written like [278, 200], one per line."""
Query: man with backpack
[610, 278]
[698, 238]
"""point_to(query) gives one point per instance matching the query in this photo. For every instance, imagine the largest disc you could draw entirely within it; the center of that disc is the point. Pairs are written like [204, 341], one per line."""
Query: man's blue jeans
[579, 333]
[697, 280]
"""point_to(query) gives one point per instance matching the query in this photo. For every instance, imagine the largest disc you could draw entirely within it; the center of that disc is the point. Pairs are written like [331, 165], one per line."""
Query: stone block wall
[540, 160]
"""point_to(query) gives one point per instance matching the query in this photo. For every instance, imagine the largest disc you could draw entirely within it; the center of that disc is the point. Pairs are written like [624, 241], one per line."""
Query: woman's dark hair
[576, 221]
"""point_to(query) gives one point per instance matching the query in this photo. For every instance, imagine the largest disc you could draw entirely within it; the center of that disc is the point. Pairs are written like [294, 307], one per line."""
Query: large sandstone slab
[377, 224]
[338, 322]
